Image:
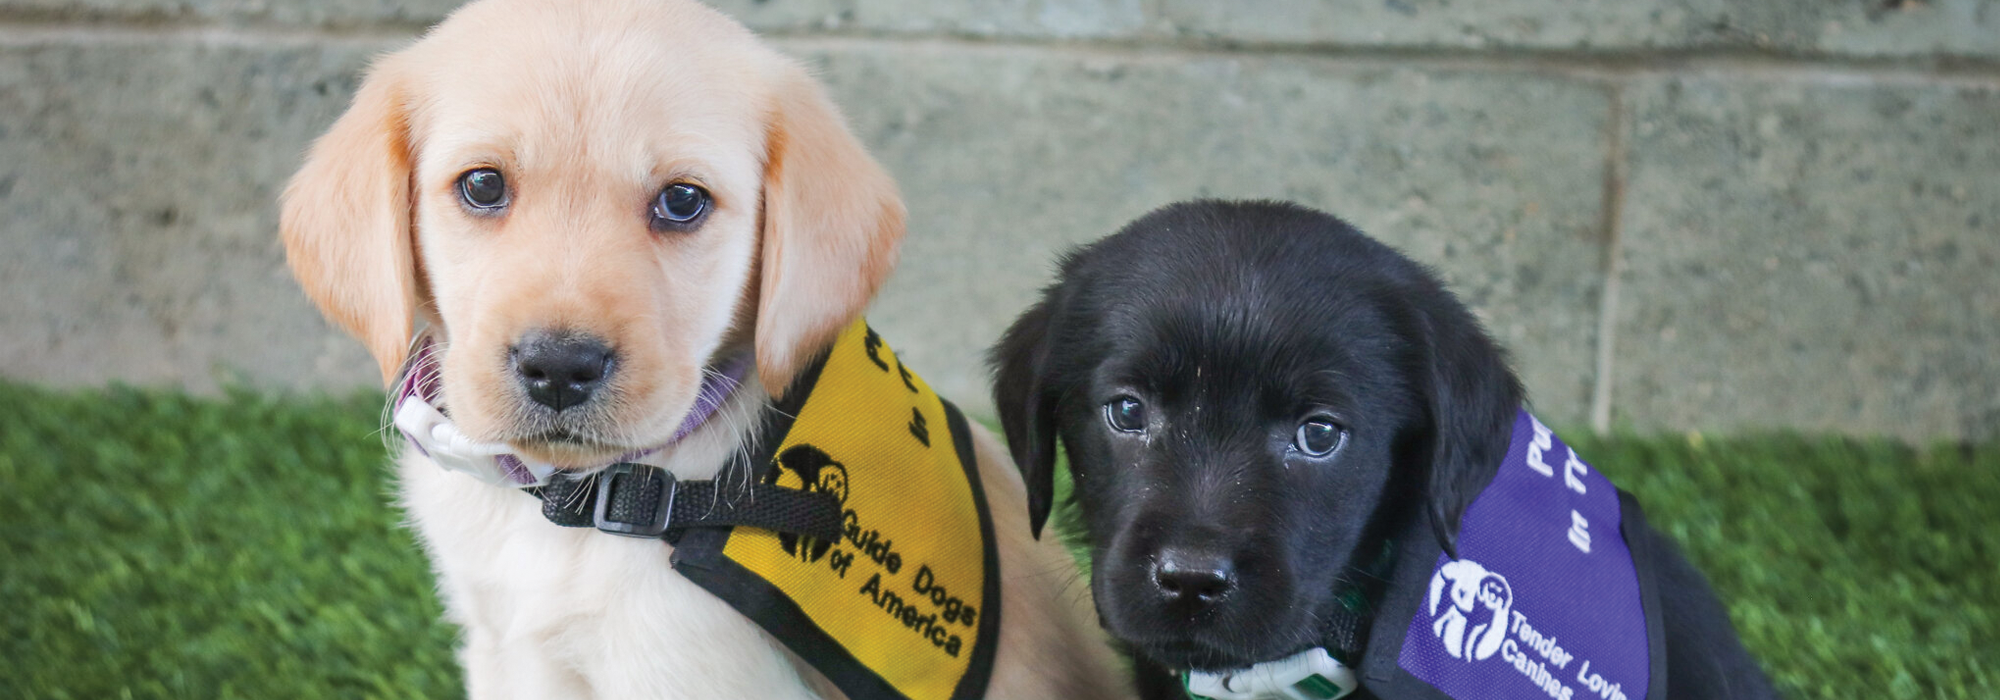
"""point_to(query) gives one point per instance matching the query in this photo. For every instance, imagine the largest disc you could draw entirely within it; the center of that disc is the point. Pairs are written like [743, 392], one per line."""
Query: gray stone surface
[1009, 18]
[769, 15]
[1912, 27]
[1870, 28]
[1016, 18]
[137, 217]
[1873, 28]
[1816, 255]
[1009, 156]
[1032, 18]
[140, 226]
[1810, 243]
[297, 13]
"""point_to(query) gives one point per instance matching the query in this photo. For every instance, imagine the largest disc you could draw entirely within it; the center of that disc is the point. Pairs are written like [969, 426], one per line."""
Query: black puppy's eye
[680, 205]
[483, 188]
[1126, 414]
[1319, 436]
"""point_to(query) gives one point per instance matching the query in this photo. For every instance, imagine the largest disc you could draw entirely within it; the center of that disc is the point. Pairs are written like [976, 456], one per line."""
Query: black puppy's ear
[1473, 399]
[1027, 409]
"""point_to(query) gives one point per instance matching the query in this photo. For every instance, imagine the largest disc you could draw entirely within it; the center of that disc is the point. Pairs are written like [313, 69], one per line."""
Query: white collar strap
[1312, 674]
[495, 463]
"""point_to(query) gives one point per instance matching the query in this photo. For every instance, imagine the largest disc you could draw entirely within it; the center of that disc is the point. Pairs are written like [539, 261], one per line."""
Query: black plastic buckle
[624, 476]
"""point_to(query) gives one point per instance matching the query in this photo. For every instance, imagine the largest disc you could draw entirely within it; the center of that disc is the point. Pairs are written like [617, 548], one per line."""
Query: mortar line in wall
[1613, 265]
[1973, 71]
[1961, 71]
[1981, 73]
[15, 34]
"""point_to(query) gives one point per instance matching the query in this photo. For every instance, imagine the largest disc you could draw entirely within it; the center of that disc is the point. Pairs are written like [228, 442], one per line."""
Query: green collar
[1345, 632]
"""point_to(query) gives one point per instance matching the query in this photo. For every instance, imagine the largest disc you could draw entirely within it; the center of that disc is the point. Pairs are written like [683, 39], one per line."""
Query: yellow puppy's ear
[833, 222]
[345, 220]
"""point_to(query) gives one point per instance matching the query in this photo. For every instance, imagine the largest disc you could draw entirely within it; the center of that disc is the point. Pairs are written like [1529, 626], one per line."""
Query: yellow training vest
[906, 606]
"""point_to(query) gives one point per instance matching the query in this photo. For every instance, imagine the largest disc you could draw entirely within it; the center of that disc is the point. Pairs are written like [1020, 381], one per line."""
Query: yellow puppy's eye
[483, 188]
[680, 206]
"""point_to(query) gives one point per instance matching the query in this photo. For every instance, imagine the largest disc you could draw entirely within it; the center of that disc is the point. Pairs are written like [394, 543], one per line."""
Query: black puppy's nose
[1193, 577]
[561, 371]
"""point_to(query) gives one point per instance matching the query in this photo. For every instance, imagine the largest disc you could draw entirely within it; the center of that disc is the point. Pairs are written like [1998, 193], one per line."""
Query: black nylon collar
[638, 500]
[1344, 633]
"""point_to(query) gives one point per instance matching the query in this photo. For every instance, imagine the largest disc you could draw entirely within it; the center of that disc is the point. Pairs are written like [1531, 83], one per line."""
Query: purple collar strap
[420, 418]
[717, 384]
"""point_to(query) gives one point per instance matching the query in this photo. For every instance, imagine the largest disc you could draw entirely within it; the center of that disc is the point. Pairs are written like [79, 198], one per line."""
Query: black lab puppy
[1278, 429]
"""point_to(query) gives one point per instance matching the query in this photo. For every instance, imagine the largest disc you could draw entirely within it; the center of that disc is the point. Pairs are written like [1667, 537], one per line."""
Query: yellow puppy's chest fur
[555, 612]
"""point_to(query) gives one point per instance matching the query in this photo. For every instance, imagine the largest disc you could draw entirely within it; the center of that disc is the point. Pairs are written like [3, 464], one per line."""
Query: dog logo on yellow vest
[808, 468]
[902, 606]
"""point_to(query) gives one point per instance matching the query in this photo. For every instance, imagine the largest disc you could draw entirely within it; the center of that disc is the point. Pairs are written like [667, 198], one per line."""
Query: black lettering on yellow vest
[860, 426]
[955, 610]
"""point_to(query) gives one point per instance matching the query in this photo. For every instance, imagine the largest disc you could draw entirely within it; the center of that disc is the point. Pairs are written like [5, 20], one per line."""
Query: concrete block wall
[1679, 214]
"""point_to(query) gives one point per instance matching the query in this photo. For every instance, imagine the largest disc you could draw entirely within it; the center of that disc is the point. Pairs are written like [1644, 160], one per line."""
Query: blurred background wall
[1680, 214]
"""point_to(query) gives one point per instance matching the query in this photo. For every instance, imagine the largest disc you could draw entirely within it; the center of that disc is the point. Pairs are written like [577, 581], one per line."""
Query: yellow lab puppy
[584, 205]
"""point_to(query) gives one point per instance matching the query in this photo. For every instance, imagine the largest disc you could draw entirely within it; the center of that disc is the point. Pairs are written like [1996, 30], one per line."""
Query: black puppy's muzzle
[1189, 581]
[1190, 587]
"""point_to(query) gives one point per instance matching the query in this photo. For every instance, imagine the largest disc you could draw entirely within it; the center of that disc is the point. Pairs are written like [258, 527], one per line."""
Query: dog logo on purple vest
[1544, 600]
[1473, 621]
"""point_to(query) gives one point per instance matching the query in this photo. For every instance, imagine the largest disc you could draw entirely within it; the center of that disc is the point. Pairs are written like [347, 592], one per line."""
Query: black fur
[1233, 322]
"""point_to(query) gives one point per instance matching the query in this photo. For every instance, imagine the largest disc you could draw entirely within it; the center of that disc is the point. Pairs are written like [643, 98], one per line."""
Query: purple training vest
[1543, 602]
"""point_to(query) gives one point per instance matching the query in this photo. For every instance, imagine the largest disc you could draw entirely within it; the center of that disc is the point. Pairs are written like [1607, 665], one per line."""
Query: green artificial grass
[154, 545]
[1853, 569]
[157, 545]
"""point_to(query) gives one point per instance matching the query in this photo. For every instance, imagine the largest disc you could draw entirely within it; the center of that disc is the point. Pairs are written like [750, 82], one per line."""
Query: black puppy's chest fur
[1219, 536]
